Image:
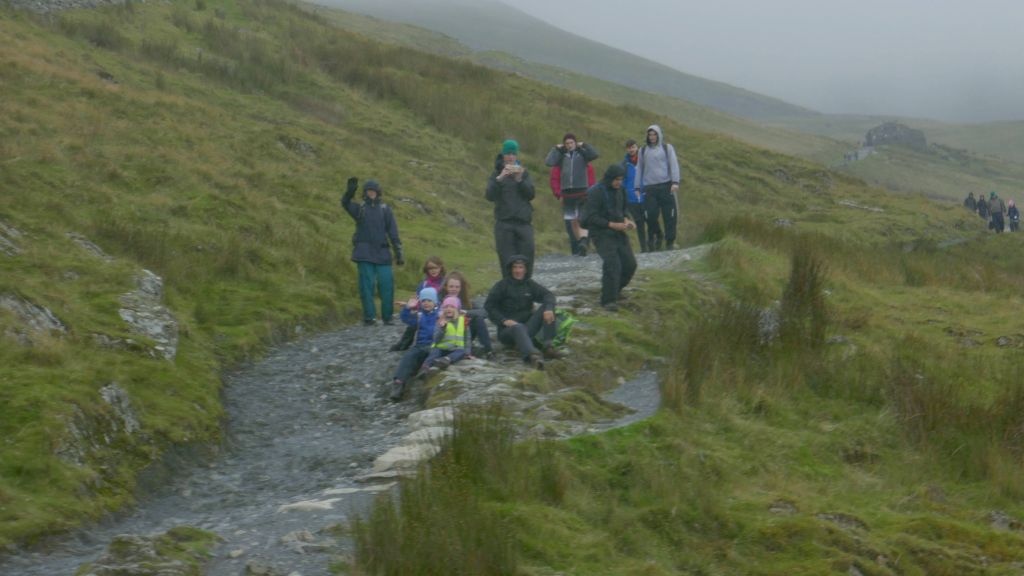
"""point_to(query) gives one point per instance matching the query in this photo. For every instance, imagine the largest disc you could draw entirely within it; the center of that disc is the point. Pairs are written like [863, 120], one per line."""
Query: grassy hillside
[948, 173]
[207, 141]
[491, 25]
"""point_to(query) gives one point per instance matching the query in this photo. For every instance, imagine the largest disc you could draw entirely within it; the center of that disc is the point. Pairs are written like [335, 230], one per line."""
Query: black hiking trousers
[617, 263]
[636, 212]
[510, 239]
[521, 334]
[660, 203]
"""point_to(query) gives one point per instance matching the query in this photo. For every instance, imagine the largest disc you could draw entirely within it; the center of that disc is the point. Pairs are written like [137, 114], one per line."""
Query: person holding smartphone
[511, 191]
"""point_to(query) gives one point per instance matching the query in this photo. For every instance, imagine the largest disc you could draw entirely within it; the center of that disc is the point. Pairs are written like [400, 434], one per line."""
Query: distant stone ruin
[894, 133]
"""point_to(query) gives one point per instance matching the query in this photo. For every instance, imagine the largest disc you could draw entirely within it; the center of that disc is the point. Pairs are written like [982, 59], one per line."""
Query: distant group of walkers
[639, 193]
[994, 211]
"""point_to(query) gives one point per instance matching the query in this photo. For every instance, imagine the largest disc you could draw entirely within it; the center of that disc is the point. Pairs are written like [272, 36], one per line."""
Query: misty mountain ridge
[492, 25]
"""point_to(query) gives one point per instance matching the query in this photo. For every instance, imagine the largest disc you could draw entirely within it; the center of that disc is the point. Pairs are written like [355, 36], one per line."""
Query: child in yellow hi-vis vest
[452, 339]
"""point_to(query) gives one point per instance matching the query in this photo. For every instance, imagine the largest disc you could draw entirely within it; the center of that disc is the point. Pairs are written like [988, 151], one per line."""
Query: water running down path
[304, 425]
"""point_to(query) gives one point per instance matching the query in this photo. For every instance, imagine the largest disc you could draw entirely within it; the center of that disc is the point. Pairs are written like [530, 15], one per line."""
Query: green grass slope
[490, 25]
[947, 173]
[208, 141]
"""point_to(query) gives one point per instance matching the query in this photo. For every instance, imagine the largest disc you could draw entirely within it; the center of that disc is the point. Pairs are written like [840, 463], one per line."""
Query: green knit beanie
[510, 147]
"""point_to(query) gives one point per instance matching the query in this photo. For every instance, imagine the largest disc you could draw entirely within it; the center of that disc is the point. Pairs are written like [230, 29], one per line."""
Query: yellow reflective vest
[454, 336]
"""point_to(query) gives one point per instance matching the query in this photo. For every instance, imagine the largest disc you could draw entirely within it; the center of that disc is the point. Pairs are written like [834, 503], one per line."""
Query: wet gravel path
[303, 425]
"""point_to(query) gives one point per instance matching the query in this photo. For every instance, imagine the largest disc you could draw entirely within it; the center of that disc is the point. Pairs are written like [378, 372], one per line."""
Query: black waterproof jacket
[511, 198]
[511, 299]
[605, 204]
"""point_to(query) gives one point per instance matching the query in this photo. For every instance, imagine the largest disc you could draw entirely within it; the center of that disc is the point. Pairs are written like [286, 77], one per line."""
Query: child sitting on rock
[455, 284]
[421, 315]
[433, 277]
[451, 338]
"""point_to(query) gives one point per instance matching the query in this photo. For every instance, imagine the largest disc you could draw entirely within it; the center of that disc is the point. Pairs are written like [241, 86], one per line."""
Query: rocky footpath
[311, 439]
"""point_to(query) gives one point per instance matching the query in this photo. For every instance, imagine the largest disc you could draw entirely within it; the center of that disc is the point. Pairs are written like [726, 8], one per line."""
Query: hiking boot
[395, 347]
[369, 322]
[397, 387]
[490, 355]
[669, 246]
[535, 361]
[552, 353]
[611, 307]
[442, 363]
[389, 321]
[584, 245]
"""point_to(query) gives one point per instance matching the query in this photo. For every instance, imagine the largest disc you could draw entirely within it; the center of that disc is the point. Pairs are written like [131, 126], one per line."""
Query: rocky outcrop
[86, 435]
[88, 246]
[146, 316]
[896, 134]
[9, 236]
[35, 320]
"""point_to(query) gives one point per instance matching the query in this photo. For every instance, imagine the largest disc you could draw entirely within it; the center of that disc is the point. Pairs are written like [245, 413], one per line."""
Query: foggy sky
[949, 60]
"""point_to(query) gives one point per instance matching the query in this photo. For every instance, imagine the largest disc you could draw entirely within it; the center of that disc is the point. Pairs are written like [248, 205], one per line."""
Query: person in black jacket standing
[511, 190]
[510, 306]
[375, 237]
[604, 215]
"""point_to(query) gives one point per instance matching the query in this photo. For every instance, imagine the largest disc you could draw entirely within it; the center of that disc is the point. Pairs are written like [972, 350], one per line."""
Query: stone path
[311, 439]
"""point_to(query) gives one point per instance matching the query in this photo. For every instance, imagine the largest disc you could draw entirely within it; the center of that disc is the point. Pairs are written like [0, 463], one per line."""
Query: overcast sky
[945, 59]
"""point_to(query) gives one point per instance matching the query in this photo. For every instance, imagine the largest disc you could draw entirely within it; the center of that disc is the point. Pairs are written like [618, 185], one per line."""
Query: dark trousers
[374, 277]
[997, 223]
[636, 212]
[478, 329]
[453, 354]
[511, 238]
[617, 264]
[521, 335]
[411, 361]
[660, 205]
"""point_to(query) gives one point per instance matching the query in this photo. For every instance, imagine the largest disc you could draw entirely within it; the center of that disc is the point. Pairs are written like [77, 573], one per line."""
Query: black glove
[353, 185]
[399, 257]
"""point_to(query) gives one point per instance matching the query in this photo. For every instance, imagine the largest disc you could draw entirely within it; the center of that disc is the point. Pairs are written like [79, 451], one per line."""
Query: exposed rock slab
[145, 315]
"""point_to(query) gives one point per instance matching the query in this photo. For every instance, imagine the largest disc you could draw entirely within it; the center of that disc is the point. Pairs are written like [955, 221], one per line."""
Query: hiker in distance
[1014, 215]
[657, 175]
[510, 306]
[511, 190]
[375, 238]
[997, 209]
[970, 203]
[605, 216]
[572, 159]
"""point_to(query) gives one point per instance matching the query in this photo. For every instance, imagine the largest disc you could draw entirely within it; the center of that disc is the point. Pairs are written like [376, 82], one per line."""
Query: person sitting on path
[375, 237]
[634, 193]
[456, 284]
[451, 337]
[511, 190]
[433, 277]
[510, 306]
[657, 174]
[1014, 216]
[421, 314]
[572, 158]
[605, 215]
